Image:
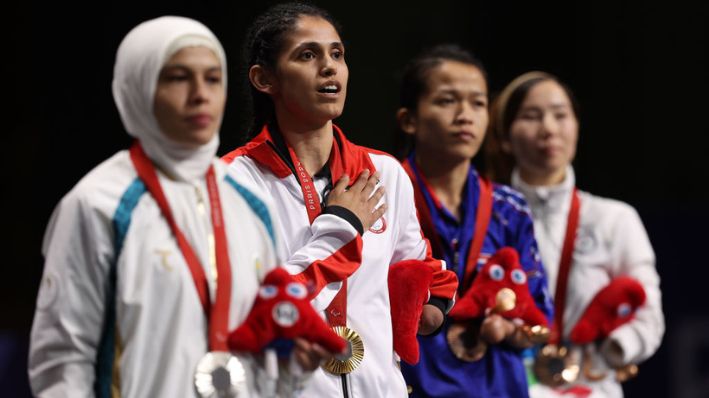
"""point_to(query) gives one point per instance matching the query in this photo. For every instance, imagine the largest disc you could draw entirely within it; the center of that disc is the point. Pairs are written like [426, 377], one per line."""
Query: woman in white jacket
[157, 253]
[339, 240]
[532, 144]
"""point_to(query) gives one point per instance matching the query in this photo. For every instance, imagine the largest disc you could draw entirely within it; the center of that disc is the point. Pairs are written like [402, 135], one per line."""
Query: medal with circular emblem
[220, 375]
[464, 341]
[555, 365]
[464, 338]
[353, 356]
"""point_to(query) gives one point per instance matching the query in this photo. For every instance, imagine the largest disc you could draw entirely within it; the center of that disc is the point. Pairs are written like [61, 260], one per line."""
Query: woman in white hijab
[156, 254]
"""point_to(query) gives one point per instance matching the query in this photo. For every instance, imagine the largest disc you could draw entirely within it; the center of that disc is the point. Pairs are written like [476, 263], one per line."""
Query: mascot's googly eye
[268, 292]
[497, 273]
[624, 310]
[296, 290]
[518, 276]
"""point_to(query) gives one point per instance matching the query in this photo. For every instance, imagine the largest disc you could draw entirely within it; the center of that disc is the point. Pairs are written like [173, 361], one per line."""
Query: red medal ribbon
[564, 267]
[482, 221]
[217, 313]
[336, 312]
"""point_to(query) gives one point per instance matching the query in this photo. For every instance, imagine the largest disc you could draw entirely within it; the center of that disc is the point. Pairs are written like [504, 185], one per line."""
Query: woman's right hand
[359, 198]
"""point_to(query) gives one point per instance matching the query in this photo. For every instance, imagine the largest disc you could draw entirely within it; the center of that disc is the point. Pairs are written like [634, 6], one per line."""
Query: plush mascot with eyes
[500, 287]
[613, 306]
[282, 312]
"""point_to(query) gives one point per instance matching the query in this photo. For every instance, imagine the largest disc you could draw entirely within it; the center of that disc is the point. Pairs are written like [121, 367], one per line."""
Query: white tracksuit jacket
[331, 249]
[611, 241]
[116, 290]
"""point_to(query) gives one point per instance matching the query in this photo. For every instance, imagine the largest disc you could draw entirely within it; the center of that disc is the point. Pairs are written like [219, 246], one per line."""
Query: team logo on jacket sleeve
[164, 255]
[379, 226]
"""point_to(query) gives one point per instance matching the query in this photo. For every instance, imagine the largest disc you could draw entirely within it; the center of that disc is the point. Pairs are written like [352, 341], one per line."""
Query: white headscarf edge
[140, 57]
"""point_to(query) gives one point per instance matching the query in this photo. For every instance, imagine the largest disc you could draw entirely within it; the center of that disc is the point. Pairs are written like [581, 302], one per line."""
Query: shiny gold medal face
[505, 300]
[465, 343]
[348, 362]
[555, 366]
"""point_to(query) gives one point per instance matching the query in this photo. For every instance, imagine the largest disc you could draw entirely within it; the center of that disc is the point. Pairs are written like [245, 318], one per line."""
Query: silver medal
[220, 375]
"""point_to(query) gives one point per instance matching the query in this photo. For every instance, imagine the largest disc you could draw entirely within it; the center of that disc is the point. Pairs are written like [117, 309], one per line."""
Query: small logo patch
[379, 226]
[285, 314]
[164, 254]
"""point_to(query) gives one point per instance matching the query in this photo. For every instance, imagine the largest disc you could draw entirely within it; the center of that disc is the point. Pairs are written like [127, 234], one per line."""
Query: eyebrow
[454, 91]
[315, 44]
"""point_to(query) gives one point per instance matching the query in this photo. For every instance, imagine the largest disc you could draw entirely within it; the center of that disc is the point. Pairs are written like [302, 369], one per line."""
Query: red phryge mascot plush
[500, 287]
[409, 281]
[282, 311]
[612, 306]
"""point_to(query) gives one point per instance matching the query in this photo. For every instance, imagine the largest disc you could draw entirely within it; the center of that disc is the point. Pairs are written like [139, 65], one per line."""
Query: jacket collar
[270, 150]
[551, 198]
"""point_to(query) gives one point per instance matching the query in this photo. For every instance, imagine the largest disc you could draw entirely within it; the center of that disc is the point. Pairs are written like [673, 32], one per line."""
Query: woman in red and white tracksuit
[341, 240]
[533, 141]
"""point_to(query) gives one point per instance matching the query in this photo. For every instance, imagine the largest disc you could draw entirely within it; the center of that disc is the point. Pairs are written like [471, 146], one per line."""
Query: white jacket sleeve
[640, 337]
[291, 378]
[331, 254]
[70, 305]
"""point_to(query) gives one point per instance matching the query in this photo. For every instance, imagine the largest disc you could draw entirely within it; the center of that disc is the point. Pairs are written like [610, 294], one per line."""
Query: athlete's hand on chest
[361, 198]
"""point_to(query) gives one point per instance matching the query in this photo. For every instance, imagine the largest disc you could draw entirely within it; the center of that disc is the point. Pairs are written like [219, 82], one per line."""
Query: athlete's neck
[447, 180]
[312, 143]
[542, 179]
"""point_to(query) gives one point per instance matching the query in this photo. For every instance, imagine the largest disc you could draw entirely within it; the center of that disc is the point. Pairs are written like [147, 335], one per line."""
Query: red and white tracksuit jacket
[331, 250]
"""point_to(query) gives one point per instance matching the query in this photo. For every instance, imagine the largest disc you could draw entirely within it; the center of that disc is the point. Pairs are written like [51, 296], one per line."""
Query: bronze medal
[556, 365]
[464, 341]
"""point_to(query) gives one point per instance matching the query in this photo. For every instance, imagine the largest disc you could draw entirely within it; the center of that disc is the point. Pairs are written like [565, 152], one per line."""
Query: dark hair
[414, 82]
[264, 42]
[499, 164]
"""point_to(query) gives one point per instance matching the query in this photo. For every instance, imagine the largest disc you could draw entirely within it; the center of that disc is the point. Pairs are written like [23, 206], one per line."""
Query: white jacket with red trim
[117, 310]
[330, 249]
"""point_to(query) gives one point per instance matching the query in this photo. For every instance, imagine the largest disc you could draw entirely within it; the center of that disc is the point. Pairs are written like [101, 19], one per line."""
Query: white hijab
[140, 57]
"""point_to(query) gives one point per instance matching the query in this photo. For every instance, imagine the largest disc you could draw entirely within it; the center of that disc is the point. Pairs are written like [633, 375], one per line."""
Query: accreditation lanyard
[337, 310]
[218, 312]
[482, 219]
[564, 267]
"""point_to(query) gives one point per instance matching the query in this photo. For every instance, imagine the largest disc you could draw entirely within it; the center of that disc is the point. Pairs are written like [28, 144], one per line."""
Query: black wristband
[347, 215]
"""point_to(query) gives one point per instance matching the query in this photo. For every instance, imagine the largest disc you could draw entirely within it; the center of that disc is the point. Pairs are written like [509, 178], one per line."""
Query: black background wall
[640, 74]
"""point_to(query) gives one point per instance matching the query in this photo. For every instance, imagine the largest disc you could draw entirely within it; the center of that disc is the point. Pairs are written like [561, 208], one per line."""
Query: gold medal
[346, 363]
